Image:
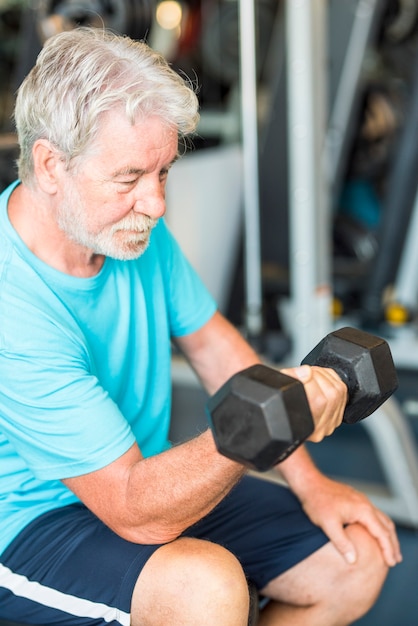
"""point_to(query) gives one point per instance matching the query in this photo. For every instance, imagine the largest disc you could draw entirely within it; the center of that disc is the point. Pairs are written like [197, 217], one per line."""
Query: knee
[356, 587]
[367, 576]
[327, 586]
[188, 581]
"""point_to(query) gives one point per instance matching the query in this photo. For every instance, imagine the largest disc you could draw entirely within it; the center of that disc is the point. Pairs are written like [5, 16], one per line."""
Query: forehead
[149, 140]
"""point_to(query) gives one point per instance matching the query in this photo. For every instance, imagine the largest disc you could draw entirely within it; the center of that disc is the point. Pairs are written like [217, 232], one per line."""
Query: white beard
[125, 240]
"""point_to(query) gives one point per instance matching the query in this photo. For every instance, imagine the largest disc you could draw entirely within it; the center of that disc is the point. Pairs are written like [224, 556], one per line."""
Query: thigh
[264, 526]
[68, 568]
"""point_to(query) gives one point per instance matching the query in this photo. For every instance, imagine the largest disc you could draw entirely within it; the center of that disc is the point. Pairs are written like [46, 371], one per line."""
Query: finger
[383, 530]
[328, 381]
[341, 541]
[330, 374]
[333, 393]
[392, 536]
[319, 377]
[326, 395]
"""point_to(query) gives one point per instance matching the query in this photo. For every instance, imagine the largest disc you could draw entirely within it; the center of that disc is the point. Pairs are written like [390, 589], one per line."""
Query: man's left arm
[216, 352]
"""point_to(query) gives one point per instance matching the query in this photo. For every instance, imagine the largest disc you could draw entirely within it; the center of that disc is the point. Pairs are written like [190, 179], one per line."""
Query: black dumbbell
[260, 416]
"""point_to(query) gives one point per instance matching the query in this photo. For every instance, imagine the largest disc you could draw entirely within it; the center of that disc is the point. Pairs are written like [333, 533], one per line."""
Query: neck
[32, 215]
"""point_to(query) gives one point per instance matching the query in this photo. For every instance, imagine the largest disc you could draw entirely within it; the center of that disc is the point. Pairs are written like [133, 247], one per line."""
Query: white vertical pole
[249, 125]
[309, 219]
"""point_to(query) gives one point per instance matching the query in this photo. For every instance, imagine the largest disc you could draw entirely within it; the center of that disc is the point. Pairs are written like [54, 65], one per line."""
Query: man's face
[115, 195]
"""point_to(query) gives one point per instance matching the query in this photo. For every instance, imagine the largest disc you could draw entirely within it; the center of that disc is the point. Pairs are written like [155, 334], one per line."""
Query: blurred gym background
[298, 204]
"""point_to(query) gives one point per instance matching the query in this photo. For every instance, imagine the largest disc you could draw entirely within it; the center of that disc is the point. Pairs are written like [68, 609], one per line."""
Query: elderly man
[102, 519]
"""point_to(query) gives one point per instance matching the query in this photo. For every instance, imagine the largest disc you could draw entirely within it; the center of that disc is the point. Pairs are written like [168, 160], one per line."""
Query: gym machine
[31, 23]
[317, 151]
[43, 18]
[318, 144]
[310, 200]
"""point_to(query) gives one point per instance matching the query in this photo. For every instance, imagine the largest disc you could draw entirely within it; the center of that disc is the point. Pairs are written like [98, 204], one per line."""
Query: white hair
[82, 73]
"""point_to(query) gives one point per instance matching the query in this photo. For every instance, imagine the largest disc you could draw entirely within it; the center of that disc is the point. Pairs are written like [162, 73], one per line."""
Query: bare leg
[323, 590]
[191, 582]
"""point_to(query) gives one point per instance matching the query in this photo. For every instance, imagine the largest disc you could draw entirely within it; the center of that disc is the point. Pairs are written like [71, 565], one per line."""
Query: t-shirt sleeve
[190, 305]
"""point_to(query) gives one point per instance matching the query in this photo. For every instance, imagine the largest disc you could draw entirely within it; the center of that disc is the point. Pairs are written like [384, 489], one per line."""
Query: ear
[47, 165]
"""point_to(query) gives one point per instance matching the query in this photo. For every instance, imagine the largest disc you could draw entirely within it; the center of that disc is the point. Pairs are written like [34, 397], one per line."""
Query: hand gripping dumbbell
[260, 416]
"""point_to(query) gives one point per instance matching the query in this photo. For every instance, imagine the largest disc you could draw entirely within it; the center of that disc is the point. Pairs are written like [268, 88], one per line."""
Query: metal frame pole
[309, 220]
[249, 125]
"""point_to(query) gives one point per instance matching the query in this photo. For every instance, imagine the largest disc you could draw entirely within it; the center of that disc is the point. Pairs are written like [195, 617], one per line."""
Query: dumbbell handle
[364, 353]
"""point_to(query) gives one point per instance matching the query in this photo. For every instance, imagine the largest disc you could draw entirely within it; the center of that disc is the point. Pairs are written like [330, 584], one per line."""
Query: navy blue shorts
[68, 569]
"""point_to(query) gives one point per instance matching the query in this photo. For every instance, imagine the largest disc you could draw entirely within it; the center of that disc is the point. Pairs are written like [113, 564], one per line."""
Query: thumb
[302, 372]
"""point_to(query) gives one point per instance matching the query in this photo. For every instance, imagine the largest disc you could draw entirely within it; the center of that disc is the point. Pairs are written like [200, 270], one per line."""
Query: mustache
[135, 223]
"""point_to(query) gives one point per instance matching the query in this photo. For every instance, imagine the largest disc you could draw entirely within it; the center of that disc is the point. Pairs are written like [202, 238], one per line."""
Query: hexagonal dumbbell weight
[364, 362]
[260, 416]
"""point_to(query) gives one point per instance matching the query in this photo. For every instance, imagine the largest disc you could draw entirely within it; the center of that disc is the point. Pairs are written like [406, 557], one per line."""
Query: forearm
[216, 352]
[186, 483]
[299, 471]
[154, 500]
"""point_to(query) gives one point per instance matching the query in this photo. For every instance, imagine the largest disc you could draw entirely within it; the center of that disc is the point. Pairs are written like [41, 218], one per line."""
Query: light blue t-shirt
[84, 365]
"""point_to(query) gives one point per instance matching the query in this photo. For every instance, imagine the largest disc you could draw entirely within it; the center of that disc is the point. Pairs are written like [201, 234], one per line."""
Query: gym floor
[349, 454]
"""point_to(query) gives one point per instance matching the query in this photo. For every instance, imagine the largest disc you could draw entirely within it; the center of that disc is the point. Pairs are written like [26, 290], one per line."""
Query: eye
[126, 185]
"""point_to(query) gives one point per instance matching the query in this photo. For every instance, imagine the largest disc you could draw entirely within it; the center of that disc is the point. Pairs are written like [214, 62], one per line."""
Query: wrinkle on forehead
[111, 119]
[148, 144]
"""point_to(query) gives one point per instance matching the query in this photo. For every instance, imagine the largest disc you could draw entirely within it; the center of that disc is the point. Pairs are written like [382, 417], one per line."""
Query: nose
[150, 200]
